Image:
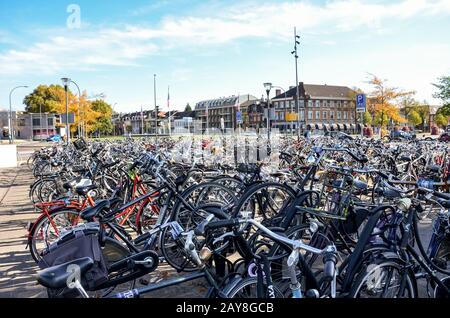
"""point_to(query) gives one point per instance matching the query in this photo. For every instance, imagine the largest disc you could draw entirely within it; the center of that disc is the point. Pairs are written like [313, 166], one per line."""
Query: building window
[331, 114]
[21, 122]
[310, 114]
[50, 121]
[302, 103]
[345, 104]
[339, 104]
[317, 114]
[282, 116]
[36, 121]
[302, 115]
[345, 115]
[310, 103]
[317, 103]
[324, 115]
[324, 103]
[331, 103]
[338, 115]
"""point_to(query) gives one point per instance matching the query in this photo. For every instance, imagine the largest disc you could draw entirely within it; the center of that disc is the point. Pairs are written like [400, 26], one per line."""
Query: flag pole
[168, 106]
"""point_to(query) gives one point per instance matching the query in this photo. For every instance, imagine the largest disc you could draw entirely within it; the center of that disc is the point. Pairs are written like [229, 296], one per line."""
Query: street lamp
[115, 120]
[268, 87]
[66, 81]
[79, 106]
[10, 126]
[295, 53]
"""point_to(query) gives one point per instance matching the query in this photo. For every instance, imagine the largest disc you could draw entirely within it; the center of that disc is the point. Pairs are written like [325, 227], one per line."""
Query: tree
[443, 87]
[382, 102]
[367, 119]
[48, 99]
[414, 118]
[104, 121]
[188, 108]
[443, 94]
[52, 99]
[407, 104]
[424, 112]
[441, 120]
[381, 119]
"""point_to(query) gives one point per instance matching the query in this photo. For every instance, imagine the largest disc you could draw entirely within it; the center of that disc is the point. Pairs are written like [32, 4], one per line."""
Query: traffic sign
[239, 117]
[291, 117]
[361, 103]
[71, 118]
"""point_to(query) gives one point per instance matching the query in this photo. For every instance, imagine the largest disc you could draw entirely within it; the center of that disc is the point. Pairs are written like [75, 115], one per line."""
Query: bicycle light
[404, 204]
[205, 254]
[313, 227]
[311, 159]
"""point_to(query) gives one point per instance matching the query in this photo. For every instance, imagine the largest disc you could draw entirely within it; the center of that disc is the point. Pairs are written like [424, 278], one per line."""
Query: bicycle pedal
[144, 282]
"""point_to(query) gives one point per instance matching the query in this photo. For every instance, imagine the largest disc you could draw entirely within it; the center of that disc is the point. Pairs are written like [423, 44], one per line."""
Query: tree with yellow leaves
[52, 99]
[382, 102]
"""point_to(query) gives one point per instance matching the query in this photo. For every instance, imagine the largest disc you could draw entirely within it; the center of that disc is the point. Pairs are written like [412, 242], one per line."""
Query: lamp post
[79, 106]
[114, 125]
[156, 110]
[295, 53]
[66, 81]
[40, 121]
[268, 87]
[10, 125]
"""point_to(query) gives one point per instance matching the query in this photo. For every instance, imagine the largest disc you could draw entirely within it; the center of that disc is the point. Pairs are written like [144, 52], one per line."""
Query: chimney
[277, 92]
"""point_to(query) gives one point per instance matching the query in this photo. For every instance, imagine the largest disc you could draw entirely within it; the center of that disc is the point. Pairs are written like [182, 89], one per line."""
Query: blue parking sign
[360, 103]
[239, 117]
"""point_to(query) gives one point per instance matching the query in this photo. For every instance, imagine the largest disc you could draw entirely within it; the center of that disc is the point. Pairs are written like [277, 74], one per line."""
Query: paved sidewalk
[17, 268]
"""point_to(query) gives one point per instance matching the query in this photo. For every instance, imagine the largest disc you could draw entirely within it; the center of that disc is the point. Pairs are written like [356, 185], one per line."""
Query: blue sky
[208, 49]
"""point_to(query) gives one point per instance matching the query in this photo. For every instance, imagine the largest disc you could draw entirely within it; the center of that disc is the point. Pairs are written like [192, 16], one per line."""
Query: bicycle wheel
[441, 256]
[189, 217]
[278, 255]
[47, 230]
[247, 288]
[264, 201]
[234, 184]
[383, 278]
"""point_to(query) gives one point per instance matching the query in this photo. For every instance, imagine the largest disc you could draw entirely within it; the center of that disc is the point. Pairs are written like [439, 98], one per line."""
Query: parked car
[445, 137]
[54, 138]
[400, 134]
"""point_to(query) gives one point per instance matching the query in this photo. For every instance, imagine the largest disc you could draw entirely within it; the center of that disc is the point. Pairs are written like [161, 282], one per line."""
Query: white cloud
[91, 47]
[82, 51]
[150, 8]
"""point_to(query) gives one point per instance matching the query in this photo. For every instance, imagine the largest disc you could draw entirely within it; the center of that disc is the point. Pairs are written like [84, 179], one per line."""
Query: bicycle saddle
[434, 168]
[444, 203]
[56, 277]
[90, 213]
[405, 158]
[391, 194]
[84, 190]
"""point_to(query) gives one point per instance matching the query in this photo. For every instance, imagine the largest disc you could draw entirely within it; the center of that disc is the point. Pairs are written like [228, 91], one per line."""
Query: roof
[224, 101]
[184, 114]
[314, 90]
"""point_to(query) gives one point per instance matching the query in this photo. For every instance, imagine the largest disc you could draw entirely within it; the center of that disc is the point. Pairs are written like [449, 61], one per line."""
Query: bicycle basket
[80, 144]
[82, 241]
